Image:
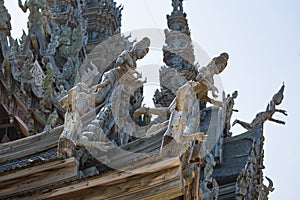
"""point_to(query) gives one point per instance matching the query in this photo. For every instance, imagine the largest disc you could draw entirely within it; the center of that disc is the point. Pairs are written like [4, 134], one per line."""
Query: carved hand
[283, 112]
[200, 137]
[214, 90]
[140, 112]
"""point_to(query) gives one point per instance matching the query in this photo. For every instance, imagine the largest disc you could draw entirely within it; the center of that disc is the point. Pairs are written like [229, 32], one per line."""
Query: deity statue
[206, 74]
[70, 44]
[26, 76]
[37, 33]
[126, 63]
[204, 83]
[182, 137]
[268, 114]
[229, 102]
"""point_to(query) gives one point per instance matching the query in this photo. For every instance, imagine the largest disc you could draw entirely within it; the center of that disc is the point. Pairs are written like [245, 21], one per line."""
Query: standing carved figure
[204, 83]
[70, 44]
[36, 36]
[229, 110]
[47, 85]
[126, 63]
[26, 76]
[181, 138]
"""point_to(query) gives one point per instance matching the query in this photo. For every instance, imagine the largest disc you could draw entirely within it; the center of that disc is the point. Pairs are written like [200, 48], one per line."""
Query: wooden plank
[121, 184]
[22, 126]
[38, 177]
[166, 190]
[138, 149]
[227, 189]
[7, 125]
[29, 145]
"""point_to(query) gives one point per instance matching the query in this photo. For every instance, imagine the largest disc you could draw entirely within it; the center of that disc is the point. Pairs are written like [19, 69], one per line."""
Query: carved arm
[102, 85]
[282, 111]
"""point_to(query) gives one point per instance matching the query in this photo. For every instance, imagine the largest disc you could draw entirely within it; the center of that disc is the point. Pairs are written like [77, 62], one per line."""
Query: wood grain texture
[38, 177]
[29, 145]
[153, 181]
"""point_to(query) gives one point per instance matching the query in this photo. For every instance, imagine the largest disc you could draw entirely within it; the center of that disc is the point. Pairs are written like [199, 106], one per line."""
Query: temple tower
[104, 20]
[178, 56]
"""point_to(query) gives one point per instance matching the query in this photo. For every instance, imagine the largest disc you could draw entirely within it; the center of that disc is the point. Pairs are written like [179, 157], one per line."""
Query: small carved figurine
[126, 63]
[51, 121]
[229, 110]
[36, 35]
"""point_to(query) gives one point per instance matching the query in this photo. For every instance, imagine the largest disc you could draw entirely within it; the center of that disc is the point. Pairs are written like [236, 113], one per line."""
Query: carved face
[53, 121]
[221, 62]
[140, 53]
[235, 94]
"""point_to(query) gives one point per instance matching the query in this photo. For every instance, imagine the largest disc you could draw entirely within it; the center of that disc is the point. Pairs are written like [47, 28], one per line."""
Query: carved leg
[66, 148]
[243, 124]
[196, 194]
[43, 106]
[22, 87]
[187, 179]
[42, 42]
[123, 138]
[191, 179]
[26, 45]
[102, 94]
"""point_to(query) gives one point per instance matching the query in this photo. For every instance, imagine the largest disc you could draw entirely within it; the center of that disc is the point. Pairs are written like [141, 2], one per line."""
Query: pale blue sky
[263, 41]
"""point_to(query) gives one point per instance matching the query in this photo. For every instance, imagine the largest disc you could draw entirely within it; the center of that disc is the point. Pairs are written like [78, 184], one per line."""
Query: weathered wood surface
[160, 180]
[37, 177]
[227, 189]
[36, 143]
[29, 145]
[134, 152]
